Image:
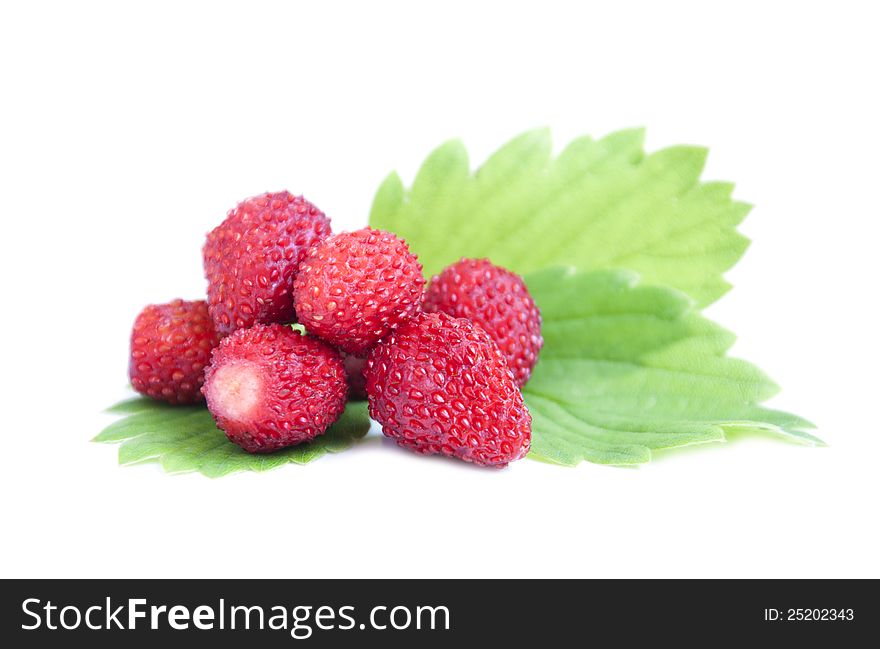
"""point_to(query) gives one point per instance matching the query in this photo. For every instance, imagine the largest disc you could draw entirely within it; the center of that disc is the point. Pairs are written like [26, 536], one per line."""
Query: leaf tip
[452, 149]
[535, 145]
[808, 439]
[634, 136]
[688, 161]
[387, 199]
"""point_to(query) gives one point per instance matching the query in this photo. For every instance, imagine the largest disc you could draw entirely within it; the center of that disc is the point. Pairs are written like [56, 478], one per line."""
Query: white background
[127, 133]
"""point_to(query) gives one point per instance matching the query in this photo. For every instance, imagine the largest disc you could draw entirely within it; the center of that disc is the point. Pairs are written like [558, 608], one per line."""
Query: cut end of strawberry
[269, 387]
[234, 391]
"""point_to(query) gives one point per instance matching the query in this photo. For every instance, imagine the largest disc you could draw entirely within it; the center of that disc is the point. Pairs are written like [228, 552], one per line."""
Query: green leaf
[629, 368]
[599, 204]
[184, 438]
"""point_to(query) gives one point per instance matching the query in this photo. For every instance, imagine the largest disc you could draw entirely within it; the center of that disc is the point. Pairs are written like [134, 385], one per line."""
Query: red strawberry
[170, 347]
[252, 257]
[439, 384]
[269, 387]
[355, 287]
[354, 371]
[498, 301]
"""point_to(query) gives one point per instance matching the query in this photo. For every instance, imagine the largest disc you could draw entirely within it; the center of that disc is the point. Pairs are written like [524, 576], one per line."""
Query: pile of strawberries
[442, 368]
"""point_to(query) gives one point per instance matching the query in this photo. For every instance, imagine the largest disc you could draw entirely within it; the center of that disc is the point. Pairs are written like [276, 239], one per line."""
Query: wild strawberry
[498, 301]
[252, 258]
[439, 384]
[354, 288]
[170, 347]
[269, 387]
